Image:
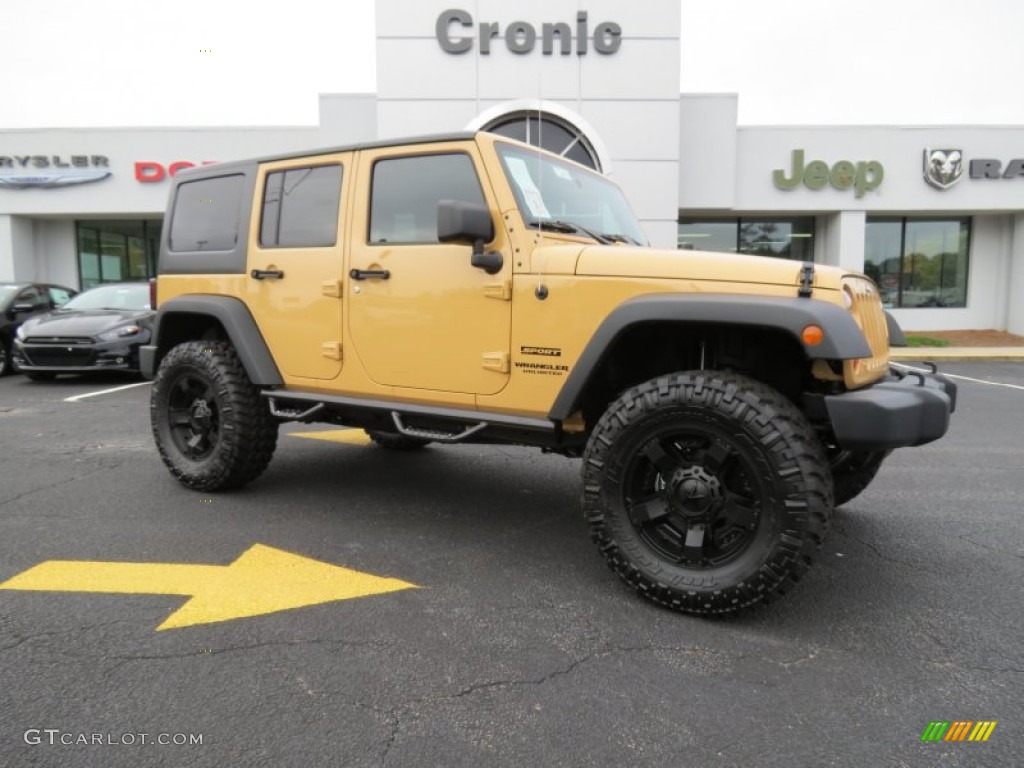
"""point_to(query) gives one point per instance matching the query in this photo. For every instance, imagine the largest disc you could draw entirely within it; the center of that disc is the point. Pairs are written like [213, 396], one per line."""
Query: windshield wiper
[615, 237]
[568, 227]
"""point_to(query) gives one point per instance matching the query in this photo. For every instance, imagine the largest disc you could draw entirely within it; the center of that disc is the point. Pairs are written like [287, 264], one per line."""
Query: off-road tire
[396, 442]
[712, 444]
[853, 471]
[6, 366]
[40, 376]
[212, 428]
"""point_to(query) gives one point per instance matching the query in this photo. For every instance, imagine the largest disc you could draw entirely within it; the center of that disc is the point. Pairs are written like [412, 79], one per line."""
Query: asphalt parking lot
[517, 645]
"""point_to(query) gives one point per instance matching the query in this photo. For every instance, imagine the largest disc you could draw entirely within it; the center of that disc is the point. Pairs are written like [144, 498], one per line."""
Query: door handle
[263, 274]
[365, 274]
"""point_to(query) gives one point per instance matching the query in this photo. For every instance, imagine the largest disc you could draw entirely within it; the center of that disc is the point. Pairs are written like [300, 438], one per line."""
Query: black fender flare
[239, 325]
[843, 337]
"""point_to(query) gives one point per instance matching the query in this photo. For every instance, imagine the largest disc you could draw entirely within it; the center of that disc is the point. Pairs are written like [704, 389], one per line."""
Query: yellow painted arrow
[262, 580]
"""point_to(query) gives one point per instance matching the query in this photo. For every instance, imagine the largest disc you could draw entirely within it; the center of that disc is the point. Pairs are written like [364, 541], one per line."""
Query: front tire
[212, 428]
[6, 366]
[706, 491]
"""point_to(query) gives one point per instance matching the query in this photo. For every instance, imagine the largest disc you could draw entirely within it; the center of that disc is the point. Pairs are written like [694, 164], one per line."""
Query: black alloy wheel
[212, 428]
[706, 491]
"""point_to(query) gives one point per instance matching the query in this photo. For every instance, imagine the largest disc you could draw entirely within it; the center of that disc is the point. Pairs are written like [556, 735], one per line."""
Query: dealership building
[935, 214]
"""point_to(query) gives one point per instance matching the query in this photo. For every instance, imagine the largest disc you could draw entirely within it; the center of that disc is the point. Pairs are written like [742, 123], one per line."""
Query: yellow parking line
[349, 436]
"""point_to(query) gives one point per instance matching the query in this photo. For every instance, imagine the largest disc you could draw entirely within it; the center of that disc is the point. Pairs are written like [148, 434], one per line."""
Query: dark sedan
[98, 330]
[19, 302]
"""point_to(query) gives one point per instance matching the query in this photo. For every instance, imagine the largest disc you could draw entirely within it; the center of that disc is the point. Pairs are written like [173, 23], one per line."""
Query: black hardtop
[218, 169]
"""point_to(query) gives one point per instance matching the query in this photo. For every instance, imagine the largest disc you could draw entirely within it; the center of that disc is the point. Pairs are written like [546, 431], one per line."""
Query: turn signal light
[812, 335]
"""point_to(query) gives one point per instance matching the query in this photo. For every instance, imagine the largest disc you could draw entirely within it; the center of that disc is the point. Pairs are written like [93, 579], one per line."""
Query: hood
[628, 261]
[83, 322]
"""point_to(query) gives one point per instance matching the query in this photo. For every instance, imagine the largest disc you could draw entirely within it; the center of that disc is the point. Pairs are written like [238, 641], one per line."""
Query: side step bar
[436, 435]
[311, 406]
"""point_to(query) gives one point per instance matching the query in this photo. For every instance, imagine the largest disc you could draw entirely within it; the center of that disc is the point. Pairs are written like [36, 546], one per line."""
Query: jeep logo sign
[521, 36]
[862, 176]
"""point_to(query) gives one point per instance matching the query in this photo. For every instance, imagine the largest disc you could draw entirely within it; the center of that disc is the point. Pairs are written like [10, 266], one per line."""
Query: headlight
[119, 333]
[20, 333]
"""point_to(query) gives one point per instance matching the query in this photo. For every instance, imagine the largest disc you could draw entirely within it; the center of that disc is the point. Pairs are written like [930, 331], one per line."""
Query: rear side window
[406, 191]
[300, 207]
[206, 214]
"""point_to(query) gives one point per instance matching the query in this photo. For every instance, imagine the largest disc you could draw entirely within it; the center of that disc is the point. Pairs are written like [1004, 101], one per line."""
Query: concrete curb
[940, 354]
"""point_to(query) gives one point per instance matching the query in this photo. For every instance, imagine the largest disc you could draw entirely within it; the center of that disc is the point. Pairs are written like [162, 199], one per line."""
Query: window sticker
[531, 195]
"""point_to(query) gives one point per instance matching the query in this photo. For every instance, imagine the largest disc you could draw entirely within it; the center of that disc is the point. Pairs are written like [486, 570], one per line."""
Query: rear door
[295, 262]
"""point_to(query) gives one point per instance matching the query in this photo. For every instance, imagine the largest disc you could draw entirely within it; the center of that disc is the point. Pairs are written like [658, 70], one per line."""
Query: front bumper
[75, 358]
[908, 408]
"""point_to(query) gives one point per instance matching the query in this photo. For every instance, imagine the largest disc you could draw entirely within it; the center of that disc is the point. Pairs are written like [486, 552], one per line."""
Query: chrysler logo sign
[47, 171]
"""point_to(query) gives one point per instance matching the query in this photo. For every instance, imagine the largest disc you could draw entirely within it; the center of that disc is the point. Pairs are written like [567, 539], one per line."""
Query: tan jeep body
[526, 334]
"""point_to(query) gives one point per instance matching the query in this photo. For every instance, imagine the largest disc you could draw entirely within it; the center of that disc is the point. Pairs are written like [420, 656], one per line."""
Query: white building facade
[935, 214]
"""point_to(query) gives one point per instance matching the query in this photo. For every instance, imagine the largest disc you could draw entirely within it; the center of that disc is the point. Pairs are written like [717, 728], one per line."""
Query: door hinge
[331, 288]
[501, 290]
[496, 361]
[331, 350]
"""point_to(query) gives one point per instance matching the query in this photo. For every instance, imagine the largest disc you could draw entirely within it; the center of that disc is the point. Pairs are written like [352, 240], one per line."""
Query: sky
[81, 63]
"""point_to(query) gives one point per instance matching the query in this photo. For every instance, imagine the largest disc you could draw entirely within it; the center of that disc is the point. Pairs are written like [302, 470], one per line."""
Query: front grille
[57, 356]
[58, 340]
[870, 317]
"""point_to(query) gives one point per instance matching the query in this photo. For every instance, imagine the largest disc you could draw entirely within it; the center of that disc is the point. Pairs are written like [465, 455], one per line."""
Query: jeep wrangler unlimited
[469, 288]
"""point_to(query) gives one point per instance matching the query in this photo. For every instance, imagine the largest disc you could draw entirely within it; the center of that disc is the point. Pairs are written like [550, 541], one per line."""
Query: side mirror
[470, 223]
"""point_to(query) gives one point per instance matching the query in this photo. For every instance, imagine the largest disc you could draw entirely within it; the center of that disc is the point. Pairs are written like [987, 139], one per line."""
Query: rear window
[300, 207]
[206, 214]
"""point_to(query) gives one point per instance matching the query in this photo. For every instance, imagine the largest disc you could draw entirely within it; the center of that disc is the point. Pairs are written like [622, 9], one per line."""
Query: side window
[32, 296]
[300, 207]
[406, 191]
[206, 214]
[58, 296]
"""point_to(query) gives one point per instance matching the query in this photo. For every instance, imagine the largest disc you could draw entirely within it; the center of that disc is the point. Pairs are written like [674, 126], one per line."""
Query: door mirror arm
[490, 262]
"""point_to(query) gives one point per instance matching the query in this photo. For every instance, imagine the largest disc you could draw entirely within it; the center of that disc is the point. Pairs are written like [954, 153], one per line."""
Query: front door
[296, 261]
[421, 316]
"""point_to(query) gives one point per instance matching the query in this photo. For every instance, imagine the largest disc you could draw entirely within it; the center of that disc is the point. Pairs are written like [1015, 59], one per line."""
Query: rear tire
[396, 442]
[212, 428]
[5, 358]
[853, 471]
[707, 492]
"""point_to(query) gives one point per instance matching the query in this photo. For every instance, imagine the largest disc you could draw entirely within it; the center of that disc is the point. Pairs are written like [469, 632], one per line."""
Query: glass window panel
[88, 256]
[206, 214]
[136, 258]
[919, 262]
[309, 207]
[58, 296]
[882, 257]
[406, 192]
[931, 248]
[781, 238]
[708, 235]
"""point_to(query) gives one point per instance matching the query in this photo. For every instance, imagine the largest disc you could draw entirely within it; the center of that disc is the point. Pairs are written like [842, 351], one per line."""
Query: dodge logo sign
[943, 167]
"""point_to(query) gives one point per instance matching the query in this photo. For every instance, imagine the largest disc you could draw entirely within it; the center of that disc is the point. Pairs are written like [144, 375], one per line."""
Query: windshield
[555, 195]
[118, 296]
